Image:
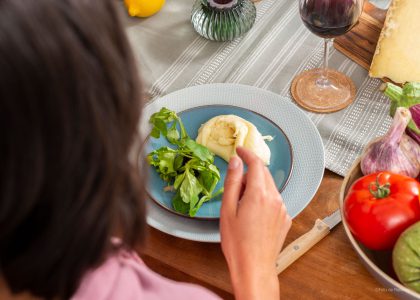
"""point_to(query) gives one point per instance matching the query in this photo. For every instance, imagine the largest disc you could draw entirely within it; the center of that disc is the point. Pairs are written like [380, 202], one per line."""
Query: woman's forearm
[254, 285]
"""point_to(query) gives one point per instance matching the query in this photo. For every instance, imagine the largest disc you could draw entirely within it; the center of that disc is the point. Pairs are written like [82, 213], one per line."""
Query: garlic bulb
[395, 152]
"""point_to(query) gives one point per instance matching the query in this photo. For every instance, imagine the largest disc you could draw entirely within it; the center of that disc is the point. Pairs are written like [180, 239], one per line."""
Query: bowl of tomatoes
[376, 210]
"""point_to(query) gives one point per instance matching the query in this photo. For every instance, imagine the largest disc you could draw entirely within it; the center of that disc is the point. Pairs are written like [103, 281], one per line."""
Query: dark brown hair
[69, 108]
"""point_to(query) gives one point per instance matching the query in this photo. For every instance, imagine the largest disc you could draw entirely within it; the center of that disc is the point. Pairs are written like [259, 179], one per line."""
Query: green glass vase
[223, 20]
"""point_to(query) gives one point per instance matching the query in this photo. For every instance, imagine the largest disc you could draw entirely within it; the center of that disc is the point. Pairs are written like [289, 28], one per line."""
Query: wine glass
[324, 89]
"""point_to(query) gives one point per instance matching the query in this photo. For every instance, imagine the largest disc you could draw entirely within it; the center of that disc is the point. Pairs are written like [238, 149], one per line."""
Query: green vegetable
[189, 167]
[179, 205]
[406, 257]
[408, 96]
[161, 119]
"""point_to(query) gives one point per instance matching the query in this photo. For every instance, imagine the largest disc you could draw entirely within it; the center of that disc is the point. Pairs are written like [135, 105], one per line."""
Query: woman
[70, 102]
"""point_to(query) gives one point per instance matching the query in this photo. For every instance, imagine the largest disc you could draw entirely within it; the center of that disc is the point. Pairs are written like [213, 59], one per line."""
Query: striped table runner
[171, 56]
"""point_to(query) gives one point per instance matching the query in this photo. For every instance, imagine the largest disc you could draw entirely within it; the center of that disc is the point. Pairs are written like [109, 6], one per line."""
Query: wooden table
[330, 270]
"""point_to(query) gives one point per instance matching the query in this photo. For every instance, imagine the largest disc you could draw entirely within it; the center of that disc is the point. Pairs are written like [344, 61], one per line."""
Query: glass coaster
[222, 20]
[336, 95]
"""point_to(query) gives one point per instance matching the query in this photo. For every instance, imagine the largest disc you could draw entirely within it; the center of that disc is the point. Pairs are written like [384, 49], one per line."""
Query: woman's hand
[253, 223]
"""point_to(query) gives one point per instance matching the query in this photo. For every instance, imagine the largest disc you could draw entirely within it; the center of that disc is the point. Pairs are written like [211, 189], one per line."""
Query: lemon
[143, 8]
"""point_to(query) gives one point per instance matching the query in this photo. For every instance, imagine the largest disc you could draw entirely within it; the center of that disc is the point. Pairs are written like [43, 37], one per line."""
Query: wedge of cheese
[397, 54]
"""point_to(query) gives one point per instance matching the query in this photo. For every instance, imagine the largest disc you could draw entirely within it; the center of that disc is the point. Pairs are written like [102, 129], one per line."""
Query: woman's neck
[6, 294]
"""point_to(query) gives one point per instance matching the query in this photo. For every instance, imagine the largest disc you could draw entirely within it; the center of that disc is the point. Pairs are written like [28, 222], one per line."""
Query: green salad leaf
[199, 151]
[161, 119]
[179, 205]
[189, 168]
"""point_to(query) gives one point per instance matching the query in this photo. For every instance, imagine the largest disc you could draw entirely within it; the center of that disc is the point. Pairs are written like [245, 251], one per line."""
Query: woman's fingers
[255, 174]
[284, 220]
[233, 186]
[269, 180]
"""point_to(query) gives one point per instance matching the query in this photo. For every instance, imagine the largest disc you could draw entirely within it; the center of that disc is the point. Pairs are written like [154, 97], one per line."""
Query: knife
[299, 246]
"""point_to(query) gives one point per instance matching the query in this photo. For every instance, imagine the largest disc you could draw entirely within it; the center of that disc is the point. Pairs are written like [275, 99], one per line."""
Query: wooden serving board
[359, 44]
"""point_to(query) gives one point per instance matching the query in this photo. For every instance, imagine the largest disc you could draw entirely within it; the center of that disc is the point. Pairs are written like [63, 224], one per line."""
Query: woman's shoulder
[123, 275]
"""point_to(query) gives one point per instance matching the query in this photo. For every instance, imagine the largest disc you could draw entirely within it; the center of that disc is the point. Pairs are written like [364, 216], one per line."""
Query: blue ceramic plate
[308, 150]
[280, 163]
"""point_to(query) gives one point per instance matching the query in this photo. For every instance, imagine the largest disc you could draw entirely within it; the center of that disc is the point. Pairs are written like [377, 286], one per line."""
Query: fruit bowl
[378, 263]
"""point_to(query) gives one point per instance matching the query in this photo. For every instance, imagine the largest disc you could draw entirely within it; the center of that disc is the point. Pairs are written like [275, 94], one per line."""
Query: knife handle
[299, 246]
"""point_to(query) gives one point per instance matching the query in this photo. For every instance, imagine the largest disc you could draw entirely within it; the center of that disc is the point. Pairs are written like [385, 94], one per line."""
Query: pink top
[125, 276]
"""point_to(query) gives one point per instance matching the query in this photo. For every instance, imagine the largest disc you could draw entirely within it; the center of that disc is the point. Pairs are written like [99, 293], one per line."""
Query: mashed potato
[222, 134]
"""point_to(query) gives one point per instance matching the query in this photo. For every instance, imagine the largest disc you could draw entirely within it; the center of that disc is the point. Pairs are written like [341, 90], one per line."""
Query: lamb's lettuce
[189, 168]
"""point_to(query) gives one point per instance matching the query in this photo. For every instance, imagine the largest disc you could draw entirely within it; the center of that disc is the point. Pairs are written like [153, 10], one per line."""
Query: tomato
[379, 207]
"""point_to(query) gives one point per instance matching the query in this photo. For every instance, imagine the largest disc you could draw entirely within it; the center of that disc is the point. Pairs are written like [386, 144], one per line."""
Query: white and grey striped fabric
[171, 56]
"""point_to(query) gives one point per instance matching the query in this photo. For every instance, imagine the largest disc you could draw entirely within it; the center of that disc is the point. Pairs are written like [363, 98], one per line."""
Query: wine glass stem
[323, 80]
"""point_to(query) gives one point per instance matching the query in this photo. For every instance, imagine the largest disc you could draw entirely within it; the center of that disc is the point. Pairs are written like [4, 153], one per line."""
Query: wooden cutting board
[359, 44]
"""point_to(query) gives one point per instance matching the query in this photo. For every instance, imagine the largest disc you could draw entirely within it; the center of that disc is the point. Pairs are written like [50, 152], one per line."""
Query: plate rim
[281, 189]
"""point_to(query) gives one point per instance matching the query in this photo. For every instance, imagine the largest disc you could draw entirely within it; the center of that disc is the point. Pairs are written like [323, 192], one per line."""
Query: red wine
[223, 1]
[330, 18]
[327, 32]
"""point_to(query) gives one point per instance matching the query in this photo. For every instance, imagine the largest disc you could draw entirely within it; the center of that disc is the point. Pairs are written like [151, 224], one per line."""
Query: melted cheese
[222, 134]
[397, 54]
